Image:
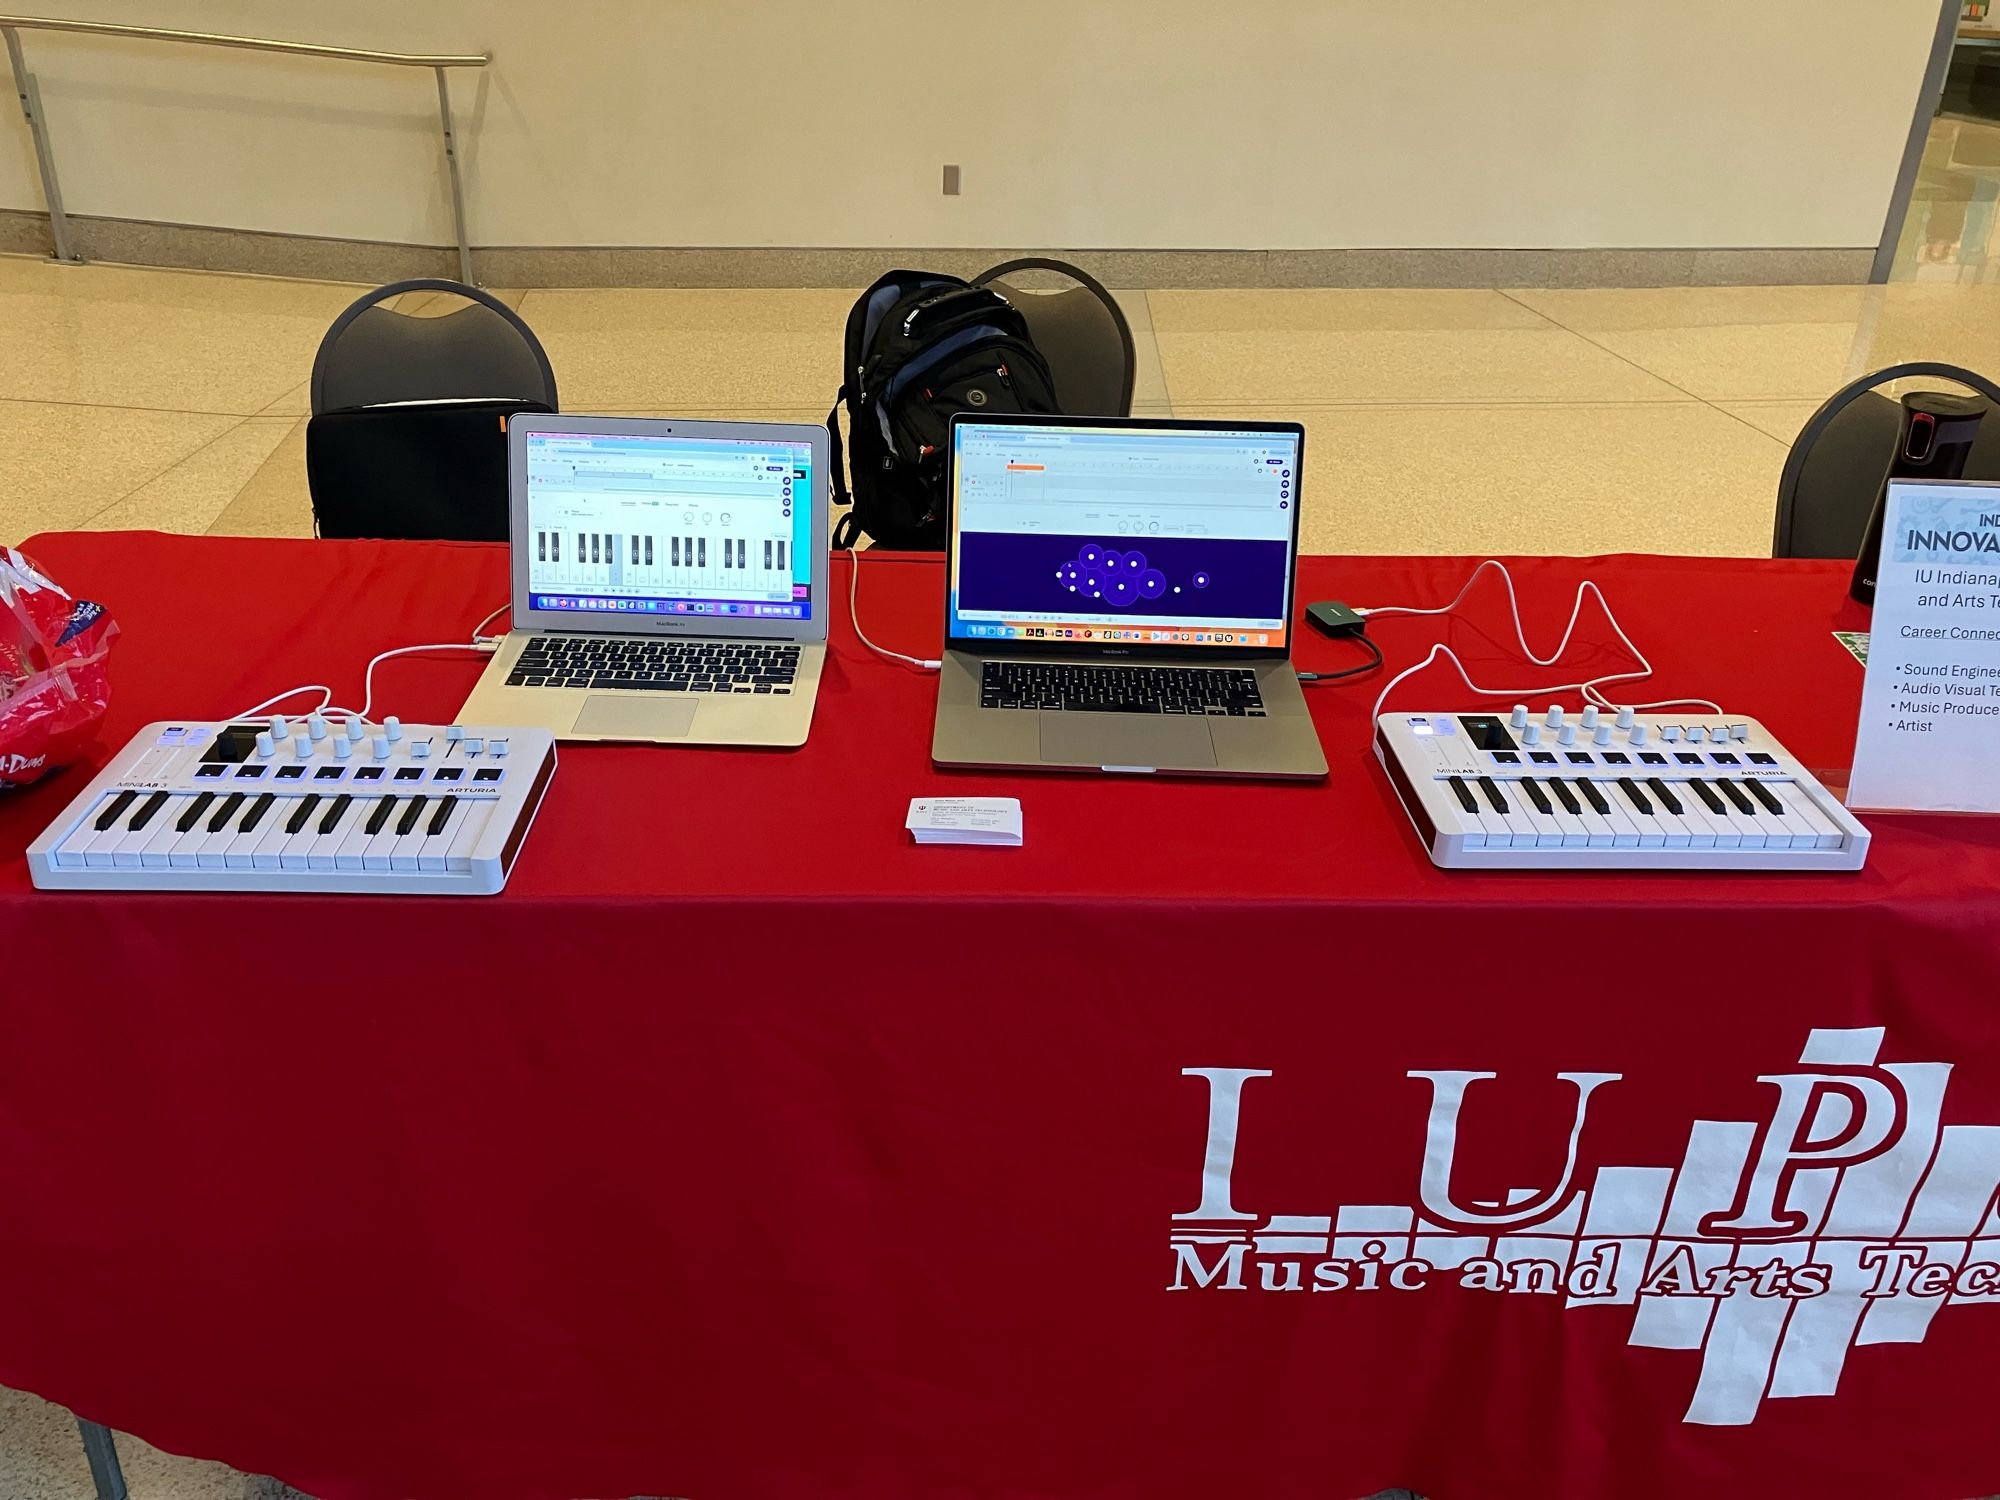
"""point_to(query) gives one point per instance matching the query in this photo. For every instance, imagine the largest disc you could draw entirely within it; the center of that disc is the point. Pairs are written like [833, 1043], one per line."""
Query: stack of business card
[994, 821]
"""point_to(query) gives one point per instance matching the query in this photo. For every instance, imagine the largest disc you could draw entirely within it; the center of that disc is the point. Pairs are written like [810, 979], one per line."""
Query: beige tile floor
[1438, 421]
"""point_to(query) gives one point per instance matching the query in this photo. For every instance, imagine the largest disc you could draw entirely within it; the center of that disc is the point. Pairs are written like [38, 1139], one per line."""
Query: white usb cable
[1590, 688]
[854, 615]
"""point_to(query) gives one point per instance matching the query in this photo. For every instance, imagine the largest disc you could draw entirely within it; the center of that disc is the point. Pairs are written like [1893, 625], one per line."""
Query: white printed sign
[1929, 738]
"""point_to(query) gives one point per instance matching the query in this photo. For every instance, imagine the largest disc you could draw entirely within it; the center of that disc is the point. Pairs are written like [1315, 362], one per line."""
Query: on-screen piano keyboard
[1638, 792]
[305, 805]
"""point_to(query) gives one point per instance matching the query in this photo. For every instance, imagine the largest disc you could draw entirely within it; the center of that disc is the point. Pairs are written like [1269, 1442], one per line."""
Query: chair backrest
[417, 473]
[1834, 474]
[1081, 332]
[374, 356]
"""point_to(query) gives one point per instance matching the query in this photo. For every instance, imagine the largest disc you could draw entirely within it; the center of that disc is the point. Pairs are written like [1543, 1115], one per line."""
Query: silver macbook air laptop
[1119, 598]
[669, 581]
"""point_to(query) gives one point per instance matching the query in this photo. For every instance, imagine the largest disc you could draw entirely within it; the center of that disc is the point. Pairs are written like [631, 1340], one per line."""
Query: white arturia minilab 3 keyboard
[1630, 792]
[303, 805]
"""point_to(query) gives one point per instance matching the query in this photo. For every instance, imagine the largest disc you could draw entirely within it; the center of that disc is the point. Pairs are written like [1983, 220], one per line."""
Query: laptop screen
[669, 525]
[1154, 536]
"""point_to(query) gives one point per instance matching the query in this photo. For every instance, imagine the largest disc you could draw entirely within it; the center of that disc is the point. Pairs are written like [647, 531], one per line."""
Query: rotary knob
[355, 728]
[316, 727]
[1567, 735]
[1532, 735]
[1638, 735]
[302, 747]
[280, 730]
[380, 748]
[1625, 718]
[393, 727]
[1590, 717]
[266, 746]
[1555, 717]
[343, 749]
[1519, 718]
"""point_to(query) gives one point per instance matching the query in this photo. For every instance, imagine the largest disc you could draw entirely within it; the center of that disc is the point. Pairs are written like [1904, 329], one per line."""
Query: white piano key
[354, 842]
[1575, 833]
[1797, 833]
[130, 841]
[75, 850]
[437, 846]
[161, 834]
[184, 853]
[1597, 830]
[242, 850]
[1650, 834]
[325, 846]
[1723, 821]
[296, 851]
[1548, 832]
[1624, 831]
[1521, 832]
[458, 858]
[1710, 832]
[1681, 831]
[1450, 815]
[1824, 834]
[405, 853]
[1751, 827]
[376, 853]
[213, 850]
[271, 835]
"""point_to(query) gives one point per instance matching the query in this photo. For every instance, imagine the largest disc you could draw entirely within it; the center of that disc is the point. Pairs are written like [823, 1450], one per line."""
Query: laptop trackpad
[1174, 741]
[635, 717]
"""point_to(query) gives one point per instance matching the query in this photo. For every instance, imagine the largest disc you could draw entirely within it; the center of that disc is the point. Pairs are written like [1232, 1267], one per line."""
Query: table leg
[100, 1446]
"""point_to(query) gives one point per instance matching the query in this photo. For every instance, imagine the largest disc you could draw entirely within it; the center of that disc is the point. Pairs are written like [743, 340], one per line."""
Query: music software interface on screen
[669, 525]
[1150, 535]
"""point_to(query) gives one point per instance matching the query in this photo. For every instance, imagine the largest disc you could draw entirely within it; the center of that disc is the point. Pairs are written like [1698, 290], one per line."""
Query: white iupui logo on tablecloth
[1847, 1217]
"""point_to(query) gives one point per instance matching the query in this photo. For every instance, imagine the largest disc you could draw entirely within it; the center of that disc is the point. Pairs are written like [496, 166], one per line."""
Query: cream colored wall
[1079, 123]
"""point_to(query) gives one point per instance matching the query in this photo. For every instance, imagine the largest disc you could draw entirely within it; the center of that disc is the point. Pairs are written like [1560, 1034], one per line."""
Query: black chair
[408, 436]
[1837, 464]
[1082, 333]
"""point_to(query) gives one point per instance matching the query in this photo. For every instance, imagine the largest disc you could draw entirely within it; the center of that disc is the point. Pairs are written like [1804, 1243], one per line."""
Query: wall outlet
[951, 179]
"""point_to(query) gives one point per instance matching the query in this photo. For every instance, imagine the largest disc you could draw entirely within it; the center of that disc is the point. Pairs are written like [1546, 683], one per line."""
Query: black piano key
[256, 814]
[1763, 794]
[441, 817]
[1566, 797]
[146, 810]
[193, 813]
[411, 812]
[1493, 798]
[1702, 790]
[1666, 795]
[1462, 792]
[112, 813]
[1634, 796]
[1592, 795]
[380, 815]
[1735, 795]
[334, 813]
[1542, 803]
[303, 811]
[225, 812]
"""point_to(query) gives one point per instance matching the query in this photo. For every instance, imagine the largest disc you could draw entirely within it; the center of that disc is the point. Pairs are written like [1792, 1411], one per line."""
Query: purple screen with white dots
[1123, 532]
[1207, 579]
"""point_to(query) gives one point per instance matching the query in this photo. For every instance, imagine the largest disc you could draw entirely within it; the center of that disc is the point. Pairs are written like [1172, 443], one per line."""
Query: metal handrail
[31, 100]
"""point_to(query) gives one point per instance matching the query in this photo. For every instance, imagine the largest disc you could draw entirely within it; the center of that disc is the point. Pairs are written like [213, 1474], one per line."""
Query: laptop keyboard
[1120, 690]
[656, 666]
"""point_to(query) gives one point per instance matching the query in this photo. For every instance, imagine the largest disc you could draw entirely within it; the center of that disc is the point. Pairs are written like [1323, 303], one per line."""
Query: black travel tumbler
[1938, 433]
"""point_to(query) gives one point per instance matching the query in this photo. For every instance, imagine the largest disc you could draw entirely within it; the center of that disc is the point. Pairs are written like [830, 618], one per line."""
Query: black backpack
[922, 346]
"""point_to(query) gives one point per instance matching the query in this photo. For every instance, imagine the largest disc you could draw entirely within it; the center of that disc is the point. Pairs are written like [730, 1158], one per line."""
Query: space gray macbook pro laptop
[1119, 598]
[669, 581]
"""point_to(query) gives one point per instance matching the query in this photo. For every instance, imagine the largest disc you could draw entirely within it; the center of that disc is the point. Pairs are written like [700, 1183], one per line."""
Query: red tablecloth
[742, 1149]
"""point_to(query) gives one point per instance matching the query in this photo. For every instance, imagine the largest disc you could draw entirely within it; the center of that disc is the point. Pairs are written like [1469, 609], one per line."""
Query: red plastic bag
[53, 684]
